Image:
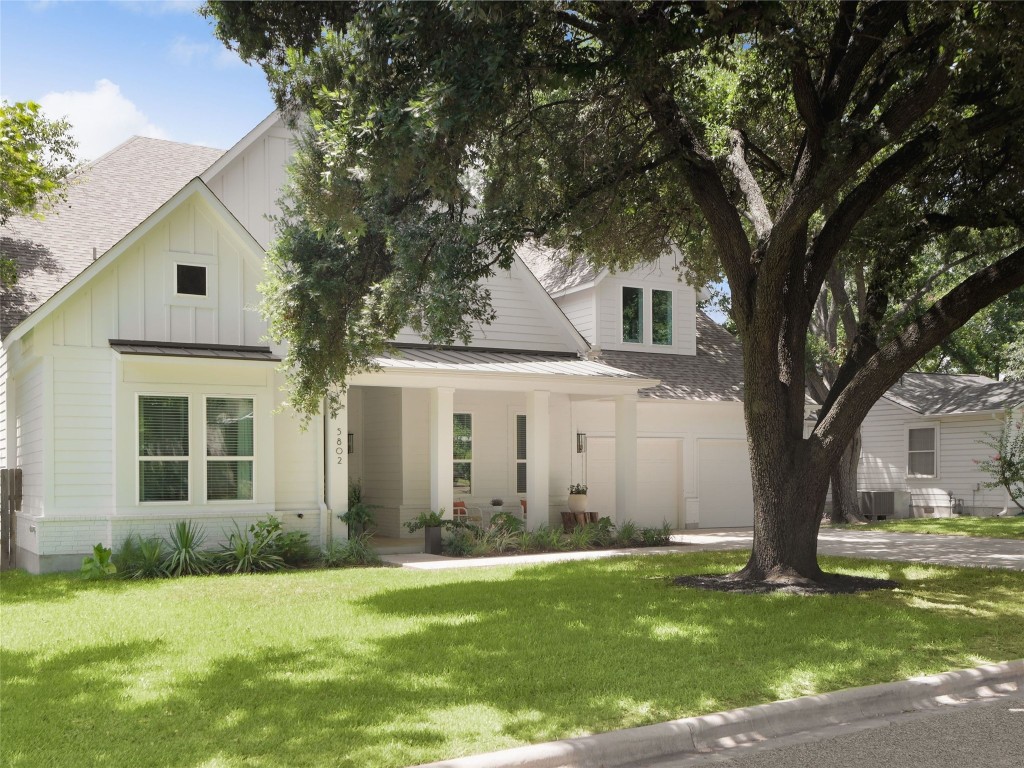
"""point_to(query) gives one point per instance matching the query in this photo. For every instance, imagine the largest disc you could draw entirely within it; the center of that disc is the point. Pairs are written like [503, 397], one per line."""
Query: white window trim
[644, 302]
[671, 318]
[139, 458]
[472, 443]
[906, 449]
[207, 458]
[516, 461]
[191, 296]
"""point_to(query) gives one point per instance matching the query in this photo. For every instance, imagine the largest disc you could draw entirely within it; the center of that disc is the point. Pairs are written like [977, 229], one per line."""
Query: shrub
[582, 537]
[294, 548]
[507, 522]
[359, 516]
[354, 551]
[427, 520]
[142, 558]
[98, 565]
[186, 556]
[460, 543]
[656, 537]
[547, 539]
[604, 532]
[253, 550]
[628, 535]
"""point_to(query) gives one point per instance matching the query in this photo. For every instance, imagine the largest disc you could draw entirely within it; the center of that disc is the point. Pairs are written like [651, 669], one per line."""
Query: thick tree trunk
[845, 502]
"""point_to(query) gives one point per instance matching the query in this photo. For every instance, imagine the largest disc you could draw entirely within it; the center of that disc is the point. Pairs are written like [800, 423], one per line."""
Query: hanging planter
[578, 504]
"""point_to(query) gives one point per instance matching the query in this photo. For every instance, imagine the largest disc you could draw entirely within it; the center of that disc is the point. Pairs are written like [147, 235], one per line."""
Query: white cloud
[100, 119]
[185, 51]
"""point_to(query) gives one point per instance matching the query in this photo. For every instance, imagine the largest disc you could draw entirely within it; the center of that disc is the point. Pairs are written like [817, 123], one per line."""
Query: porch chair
[522, 503]
[466, 514]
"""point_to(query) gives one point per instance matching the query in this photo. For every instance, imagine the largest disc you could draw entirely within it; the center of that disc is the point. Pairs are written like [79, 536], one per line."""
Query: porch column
[538, 459]
[625, 458]
[442, 437]
[336, 474]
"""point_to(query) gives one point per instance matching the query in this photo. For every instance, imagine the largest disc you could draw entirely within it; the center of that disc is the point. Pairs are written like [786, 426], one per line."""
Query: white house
[137, 387]
[923, 438]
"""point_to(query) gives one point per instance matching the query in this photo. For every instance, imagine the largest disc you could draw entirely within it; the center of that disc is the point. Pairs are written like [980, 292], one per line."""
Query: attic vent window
[190, 280]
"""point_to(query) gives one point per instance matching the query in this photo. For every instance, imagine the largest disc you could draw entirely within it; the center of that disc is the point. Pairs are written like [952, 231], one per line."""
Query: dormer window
[633, 315]
[190, 280]
[661, 317]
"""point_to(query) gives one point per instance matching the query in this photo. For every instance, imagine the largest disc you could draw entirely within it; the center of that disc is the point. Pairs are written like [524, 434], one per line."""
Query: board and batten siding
[883, 463]
[250, 184]
[656, 276]
[526, 319]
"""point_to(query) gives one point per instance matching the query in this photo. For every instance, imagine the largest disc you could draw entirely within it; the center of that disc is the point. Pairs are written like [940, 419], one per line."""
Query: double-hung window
[462, 453]
[520, 453]
[163, 448]
[922, 450]
[230, 448]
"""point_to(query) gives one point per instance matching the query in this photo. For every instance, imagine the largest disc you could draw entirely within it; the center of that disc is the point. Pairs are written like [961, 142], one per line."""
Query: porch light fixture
[581, 442]
[351, 442]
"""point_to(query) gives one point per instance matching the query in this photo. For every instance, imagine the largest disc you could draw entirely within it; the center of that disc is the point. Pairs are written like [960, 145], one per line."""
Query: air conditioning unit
[884, 505]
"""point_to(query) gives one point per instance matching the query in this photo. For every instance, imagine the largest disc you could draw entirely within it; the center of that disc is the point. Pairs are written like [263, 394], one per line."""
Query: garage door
[659, 486]
[723, 483]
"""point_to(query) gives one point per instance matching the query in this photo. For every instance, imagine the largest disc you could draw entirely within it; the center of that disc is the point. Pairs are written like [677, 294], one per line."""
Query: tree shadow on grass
[19, 587]
[453, 664]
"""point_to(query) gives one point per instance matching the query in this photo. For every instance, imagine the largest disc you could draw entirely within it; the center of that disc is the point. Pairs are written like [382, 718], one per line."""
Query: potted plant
[431, 523]
[578, 502]
[497, 506]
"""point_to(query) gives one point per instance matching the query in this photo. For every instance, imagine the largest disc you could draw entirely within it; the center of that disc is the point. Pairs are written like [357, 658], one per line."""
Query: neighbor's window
[190, 280]
[163, 448]
[921, 452]
[661, 317]
[229, 448]
[462, 453]
[632, 315]
[520, 453]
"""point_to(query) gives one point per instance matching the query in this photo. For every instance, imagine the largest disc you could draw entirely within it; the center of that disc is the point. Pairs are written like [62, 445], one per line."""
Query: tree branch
[883, 368]
[756, 207]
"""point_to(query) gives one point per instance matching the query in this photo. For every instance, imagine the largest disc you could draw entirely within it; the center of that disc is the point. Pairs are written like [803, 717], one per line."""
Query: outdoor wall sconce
[581, 442]
[351, 442]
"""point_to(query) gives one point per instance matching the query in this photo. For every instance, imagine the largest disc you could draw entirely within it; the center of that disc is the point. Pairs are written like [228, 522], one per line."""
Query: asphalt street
[978, 734]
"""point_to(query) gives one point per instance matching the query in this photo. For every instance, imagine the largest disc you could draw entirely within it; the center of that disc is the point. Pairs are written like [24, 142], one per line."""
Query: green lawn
[388, 667]
[994, 527]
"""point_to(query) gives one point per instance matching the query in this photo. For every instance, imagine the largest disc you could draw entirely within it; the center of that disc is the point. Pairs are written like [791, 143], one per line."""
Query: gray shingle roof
[714, 373]
[943, 394]
[107, 199]
[556, 270]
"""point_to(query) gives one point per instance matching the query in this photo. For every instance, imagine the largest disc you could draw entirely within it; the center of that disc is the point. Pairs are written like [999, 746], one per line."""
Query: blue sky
[116, 69]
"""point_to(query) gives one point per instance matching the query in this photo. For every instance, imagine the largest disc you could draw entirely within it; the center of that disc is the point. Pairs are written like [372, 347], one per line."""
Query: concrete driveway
[883, 545]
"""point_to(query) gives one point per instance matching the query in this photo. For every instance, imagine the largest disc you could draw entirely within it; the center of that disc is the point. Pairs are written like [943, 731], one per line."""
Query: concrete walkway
[876, 545]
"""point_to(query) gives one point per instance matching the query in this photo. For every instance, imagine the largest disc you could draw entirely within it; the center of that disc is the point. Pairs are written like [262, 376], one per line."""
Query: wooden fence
[10, 505]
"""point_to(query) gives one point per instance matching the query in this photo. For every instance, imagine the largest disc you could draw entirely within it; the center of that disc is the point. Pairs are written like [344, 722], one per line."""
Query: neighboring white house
[923, 440]
[137, 387]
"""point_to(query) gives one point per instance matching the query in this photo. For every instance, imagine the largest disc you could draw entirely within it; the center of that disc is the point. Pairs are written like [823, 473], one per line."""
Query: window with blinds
[230, 448]
[163, 448]
[462, 453]
[520, 453]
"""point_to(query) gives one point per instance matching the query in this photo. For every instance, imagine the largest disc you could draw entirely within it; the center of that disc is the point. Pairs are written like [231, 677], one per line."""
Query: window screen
[632, 314]
[163, 448]
[462, 453]
[520, 453]
[661, 317]
[921, 454]
[229, 448]
[190, 280]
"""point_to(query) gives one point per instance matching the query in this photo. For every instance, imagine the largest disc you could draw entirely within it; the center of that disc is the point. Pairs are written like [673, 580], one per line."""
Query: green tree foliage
[1006, 465]
[776, 144]
[37, 156]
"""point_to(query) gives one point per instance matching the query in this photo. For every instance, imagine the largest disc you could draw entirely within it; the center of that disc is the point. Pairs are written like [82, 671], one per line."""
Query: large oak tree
[770, 141]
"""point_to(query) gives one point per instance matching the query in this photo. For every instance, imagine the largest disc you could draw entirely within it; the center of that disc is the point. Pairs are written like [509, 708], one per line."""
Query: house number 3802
[340, 446]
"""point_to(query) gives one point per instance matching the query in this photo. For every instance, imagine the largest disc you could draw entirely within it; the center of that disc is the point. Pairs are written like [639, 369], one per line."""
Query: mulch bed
[833, 584]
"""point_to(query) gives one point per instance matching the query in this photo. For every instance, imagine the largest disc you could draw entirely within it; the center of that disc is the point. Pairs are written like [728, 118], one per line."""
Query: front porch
[419, 439]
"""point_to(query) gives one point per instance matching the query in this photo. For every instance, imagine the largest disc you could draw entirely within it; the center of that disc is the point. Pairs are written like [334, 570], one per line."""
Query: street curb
[695, 735]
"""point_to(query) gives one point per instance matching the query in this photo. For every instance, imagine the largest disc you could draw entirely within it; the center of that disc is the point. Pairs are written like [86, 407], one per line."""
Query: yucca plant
[141, 558]
[248, 553]
[186, 556]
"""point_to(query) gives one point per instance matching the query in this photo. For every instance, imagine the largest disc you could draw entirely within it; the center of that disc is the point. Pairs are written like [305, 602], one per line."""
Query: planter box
[432, 540]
